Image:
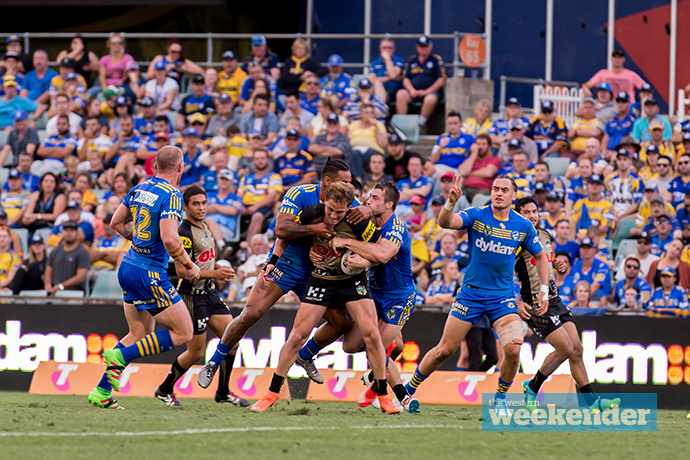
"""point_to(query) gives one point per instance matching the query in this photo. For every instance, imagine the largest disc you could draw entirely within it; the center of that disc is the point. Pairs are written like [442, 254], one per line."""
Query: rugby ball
[346, 269]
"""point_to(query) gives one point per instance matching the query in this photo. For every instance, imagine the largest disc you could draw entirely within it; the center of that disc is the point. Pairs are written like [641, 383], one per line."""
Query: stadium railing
[683, 104]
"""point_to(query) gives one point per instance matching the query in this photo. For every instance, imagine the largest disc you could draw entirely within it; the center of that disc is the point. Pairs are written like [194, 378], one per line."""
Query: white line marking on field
[221, 430]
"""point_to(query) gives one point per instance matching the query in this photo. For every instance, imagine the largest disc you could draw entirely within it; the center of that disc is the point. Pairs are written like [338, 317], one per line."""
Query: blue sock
[503, 388]
[310, 349]
[104, 383]
[153, 344]
[221, 352]
[417, 380]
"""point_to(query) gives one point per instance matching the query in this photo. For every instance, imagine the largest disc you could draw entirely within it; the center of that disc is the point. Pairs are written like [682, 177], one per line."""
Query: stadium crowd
[78, 138]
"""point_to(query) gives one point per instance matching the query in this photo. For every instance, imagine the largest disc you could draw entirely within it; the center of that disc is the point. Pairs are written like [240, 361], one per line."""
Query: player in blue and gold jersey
[149, 216]
[495, 234]
[292, 268]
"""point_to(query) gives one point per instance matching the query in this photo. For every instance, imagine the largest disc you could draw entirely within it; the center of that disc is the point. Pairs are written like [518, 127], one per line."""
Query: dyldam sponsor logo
[494, 246]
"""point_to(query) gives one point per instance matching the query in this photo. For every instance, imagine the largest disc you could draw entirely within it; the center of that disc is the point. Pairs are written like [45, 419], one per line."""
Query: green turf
[324, 431]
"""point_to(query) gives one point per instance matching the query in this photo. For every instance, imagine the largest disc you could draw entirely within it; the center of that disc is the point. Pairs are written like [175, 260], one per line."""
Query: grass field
[57, 427]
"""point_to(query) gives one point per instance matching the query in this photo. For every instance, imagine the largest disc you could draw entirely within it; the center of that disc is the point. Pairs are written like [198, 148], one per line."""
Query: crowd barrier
[622, 354]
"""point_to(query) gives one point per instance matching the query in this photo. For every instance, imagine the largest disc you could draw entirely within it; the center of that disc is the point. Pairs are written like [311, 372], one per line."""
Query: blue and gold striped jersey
[149, 203]
[295, 200]
[493, 245]
[293, 167]
[393, 282]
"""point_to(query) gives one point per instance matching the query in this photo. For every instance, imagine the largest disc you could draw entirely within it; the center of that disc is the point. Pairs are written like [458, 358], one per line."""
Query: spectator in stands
[12, 68]
[108, 250]
[564, 279]
[296, 67]
[10, 261]
[294, 110]
[553, 212]
[260, 87]
[224, 206]
[441, 291]
[583, 295]
[672, 259]
[93, 139]
[261, 119]
[424, 80]
[650, 209]
[618, 78]
[679, 186]
[646, 92]
[57, 147]
[85, 232]
[249, 86]
[643, 255]
[367, 135]
[145, 121]
[416, 184]
[386, 72]
[578, 185]
[663, 235]
[480, 168]
[22, 139]
[326, 106]
[37, 82]
[517, 132]
[606, 107]
[14, 200]
[295, 166]
[198, 122]
[452, 147]
[618, 126]
[522, 173]
[122, 108]
[669, 295]
[24, 167]
[230, 79]
[365, 95]
[548, 131]
[245, 164]
[268, 60]
[83, 183]
[377, 165]
[664, 176]
[332, 143]
[13, 44]
[481, 123]
[85, 62]
[194, 165]
[93, 109]
[336, 81]
[600, 209]
[624, 188]
[563, 242]
[542, 174]
[587, 126]
[63, 106]
[196, 102]
[127, 141]
[29, 275]
[448, 247]
[279, 147]
[45, 204]
[251, 269]
[592, 270]
[397, 158]
[68, 264]
[501, 127]
[656, 139]
[59, 84]
[112, 66]
[133, 84]
[311, 96]
[161, 87]
[224, 118]
[10, 103]
[174, 63]
[641, 128]
[259, 192]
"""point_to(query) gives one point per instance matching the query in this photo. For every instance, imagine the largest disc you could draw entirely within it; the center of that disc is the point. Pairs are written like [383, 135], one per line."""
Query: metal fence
[537, 83]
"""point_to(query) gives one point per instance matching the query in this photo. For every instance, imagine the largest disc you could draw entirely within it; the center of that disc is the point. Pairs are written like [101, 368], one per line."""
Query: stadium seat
[3, 137]
[42, 121]
[282, 100]
[356, 78]
[44, 233]
[41, 135]
[99, 192]
[557, 165]
[409, 125]
[70, 294]
[623, 232]
[37, 293]
[480, 200]
[6, 293]
[236, 238]
[8, 160]
[106, 286]
[4, 172]
[624, 248]
[23, 235]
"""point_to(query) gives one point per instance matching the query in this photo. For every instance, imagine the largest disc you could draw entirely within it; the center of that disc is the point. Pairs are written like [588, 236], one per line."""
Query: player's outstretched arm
[376, 253]
[448, 219]
[543, 269]
[287, 228]
[122, 222]
[173, 244]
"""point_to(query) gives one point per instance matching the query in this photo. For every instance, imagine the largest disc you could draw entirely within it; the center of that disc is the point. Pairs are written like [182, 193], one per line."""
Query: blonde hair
[340, 192]
[122, 39]
[300, 41]
[585, 284]
[482, 103]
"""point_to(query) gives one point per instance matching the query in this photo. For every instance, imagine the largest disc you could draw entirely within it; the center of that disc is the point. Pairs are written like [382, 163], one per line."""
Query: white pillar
[548, 64]
[427, 17]
[611, 33]
[488, 30]
[672, 63]
[367, 40]
[310, 20]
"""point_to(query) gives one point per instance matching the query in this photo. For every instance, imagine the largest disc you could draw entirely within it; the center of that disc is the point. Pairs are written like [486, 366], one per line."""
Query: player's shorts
[202, 307]
[292, 276]
[146, 289]
[395, 311]
[331, 292]
[470, 305]
[557, 315]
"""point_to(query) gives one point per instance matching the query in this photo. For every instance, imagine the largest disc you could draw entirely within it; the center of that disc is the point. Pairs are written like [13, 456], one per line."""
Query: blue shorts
[290, 276]
[146, 289]
[420, 100]
[471, 305]
[395, 311]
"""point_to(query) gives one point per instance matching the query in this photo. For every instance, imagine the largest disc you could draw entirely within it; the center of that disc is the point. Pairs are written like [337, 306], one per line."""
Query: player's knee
[511, 352]
[576, 352]
[444, 351]
[196, 353]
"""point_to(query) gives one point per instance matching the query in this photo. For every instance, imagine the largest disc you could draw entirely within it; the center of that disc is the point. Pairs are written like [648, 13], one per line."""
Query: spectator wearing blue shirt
[619, 126]
[37, 82]
[31, 181]
[10, 103]
[501, 127]
[309, 99]
[644, 93]
[663, 236]
[144, 123]
[296, 166]
[256, 73]
[261, 119]
[85, 230]
[197, 102]
[442, 290]
[56, 148]
[224, 206]
[683, 216]
[680, 185]
[209, 180]
[386, 72]
[669, 295]
[414, 185]
[336, 81]
[22, 139]
[632, 278]
[564, 279]
[548, 131]
[424, 80]
[452, 148]
[562, 241]
[268, 61]
[193, 166]
[365, 95]
[595, 271]
[641, 127]
[127, 141]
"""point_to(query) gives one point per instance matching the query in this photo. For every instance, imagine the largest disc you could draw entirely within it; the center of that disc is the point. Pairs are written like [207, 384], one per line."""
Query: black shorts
[336, 292]
[555, 317]
[202, 307]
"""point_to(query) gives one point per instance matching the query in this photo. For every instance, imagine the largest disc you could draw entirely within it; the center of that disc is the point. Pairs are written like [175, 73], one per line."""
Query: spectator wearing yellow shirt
[57, 83]
[650, 170]
[14, 200]
[107, 251]
[583, 128]
[652, 207]
[481, 123]
[9, 260]
[664, 147]
[83, 183]
[599, 208]
[367, 135]
[231, 78]
[523, 175]
[259, 193]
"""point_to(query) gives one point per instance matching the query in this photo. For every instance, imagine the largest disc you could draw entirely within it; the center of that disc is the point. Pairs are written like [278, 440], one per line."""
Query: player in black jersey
[557, 325]
[203, 301]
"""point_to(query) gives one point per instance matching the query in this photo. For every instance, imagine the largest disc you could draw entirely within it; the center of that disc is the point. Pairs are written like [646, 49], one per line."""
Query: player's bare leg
[510, 334]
